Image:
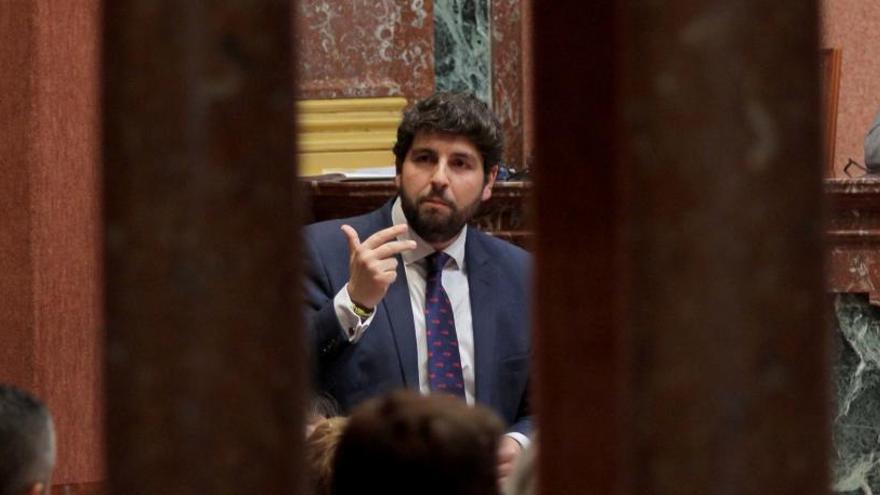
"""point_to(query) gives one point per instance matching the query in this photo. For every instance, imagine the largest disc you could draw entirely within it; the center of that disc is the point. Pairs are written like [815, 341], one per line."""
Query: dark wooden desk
[504, 215]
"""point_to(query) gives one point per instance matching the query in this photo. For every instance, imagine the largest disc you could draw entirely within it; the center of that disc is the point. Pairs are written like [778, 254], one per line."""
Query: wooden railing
[504, 215]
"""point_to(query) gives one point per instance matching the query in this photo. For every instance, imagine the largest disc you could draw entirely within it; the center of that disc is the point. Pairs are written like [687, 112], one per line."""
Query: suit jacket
[385, 357]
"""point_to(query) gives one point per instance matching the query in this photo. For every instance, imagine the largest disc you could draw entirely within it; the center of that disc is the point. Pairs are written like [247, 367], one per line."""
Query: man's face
[441, 184]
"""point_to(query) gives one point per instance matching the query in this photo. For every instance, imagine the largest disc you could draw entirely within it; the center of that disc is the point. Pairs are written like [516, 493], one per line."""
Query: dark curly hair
[461, 114]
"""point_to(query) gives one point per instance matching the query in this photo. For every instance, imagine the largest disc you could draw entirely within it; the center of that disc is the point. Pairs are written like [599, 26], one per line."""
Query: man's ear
[490, 181]
[397, 180]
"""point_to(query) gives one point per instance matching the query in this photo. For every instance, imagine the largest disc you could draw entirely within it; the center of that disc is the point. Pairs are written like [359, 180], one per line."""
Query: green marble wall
[856, 456]
[462, 47]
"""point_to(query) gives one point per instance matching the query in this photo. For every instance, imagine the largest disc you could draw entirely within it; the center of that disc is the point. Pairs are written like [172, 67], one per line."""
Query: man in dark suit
[409, 295]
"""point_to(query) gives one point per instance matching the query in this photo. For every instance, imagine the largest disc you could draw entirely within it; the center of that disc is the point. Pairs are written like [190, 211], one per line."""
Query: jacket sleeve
[523, 425]
[523, 420]
[322, 325]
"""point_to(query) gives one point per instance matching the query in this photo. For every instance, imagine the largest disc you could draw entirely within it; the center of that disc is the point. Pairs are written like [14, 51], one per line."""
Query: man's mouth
[436, 202]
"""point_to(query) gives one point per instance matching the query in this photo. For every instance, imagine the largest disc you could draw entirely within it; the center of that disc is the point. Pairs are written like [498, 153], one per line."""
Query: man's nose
[440, 178]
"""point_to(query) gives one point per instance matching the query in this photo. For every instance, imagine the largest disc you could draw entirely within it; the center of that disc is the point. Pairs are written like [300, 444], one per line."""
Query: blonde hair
[321, 451]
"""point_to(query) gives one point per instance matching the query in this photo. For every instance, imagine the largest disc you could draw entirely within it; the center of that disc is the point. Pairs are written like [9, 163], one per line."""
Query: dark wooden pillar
[205, 355]
[50, 319]
[681, 341]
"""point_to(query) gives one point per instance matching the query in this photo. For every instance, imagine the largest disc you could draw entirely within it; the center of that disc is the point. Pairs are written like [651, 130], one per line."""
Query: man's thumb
[353, 240]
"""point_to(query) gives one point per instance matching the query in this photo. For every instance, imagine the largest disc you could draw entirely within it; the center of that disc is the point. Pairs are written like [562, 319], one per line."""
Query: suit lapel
[398, 308]
[400, 318]
[482, 278]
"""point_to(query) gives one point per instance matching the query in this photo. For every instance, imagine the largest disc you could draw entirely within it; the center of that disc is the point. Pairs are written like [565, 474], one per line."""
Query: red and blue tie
[444, 361]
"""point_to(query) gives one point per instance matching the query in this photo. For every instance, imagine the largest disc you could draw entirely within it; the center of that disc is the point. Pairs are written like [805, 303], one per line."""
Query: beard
[431, 223]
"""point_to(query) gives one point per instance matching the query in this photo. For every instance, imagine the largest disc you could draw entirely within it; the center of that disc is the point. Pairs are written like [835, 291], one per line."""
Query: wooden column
[49, 221]
[680, 336]
[205, 355]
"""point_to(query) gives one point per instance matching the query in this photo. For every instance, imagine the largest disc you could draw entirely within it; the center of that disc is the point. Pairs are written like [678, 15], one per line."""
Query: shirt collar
[423, 249]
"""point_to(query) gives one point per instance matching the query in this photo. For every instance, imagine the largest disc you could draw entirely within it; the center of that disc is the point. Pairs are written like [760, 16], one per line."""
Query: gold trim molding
[346, 133]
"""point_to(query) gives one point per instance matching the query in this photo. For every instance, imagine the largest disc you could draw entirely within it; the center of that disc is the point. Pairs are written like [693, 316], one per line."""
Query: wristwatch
[361, 312]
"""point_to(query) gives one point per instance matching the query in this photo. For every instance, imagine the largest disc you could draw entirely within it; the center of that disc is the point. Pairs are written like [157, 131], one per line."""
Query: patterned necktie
[444, 362]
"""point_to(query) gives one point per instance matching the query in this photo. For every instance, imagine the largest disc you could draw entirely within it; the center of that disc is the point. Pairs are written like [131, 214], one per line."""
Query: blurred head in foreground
[406, 443]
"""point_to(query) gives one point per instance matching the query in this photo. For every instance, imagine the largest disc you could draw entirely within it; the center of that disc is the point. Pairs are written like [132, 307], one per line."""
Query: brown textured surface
[205, 354]
[65, 193]
[17, 157]
[671, 220]
[854, 237]
[829, 66]
[727, 248]
[507, 81]
[365, 48]
[50, 260]
[851, 25]
[577, 208]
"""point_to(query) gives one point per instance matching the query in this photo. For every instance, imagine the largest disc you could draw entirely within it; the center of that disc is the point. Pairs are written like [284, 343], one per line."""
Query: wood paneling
[831, 63]
[49, 250]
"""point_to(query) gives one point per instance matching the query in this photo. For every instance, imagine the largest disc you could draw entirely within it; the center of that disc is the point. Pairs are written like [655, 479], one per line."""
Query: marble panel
[856, 459]
[853, 233]
[507, 76]
[364, 48]
[462, 47]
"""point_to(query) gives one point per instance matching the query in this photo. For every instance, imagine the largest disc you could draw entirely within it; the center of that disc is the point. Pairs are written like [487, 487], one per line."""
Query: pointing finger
[391, 248]
[384, 236]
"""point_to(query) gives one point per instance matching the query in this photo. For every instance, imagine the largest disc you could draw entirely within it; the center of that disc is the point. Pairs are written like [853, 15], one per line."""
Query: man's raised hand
[372, 264]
